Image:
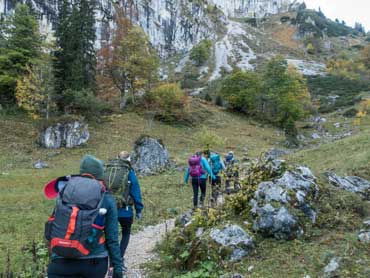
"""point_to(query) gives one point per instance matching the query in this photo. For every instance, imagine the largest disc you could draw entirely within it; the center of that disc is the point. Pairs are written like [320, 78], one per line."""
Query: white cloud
[349, 11]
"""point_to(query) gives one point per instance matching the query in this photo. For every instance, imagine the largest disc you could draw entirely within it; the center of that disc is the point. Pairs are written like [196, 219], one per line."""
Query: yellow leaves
[363, 111]
[28, 94]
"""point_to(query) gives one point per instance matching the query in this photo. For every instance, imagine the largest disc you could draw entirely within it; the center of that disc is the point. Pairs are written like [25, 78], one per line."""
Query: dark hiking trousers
[216, 188]
[202, 184]
[75, 268]
[125, 223]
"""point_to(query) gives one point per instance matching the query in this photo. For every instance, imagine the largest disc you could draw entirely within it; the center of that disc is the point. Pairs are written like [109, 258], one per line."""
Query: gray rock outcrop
[351, 183]
[236, 238]
[67, 135]
[278, 205]
[150, 156]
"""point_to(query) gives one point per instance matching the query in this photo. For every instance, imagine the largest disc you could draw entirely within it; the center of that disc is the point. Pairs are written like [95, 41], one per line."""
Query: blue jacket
[111, 246]
[205, 166]
[135, 194]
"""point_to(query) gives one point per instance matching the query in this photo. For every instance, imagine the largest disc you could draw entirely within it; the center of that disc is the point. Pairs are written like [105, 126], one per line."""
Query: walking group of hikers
[83, 228]
[208, 165]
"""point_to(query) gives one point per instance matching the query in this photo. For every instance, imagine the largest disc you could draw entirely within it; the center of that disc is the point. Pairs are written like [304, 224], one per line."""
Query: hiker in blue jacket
[126, 214]
[199, 172]
[94, 265]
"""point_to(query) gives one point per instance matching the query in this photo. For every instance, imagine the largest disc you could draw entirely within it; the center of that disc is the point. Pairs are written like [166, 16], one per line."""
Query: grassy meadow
[23, 208]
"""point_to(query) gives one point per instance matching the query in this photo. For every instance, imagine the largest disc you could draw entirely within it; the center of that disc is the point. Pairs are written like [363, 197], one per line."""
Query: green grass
[347, 156]
[340, 217]
[23, 209]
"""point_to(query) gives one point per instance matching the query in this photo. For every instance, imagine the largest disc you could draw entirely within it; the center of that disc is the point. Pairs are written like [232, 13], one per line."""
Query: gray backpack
[116, 179]
[72, 229]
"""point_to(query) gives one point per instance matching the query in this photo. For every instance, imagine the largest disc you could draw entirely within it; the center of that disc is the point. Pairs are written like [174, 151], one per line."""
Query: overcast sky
[350, 11]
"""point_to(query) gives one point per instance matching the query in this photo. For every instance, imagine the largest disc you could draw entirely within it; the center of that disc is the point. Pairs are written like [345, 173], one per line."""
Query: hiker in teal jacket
[95, 265]
[217, 166]
[200, 182]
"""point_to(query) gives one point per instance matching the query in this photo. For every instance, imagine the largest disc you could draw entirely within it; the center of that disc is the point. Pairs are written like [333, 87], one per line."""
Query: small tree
[285, 97]
[241, 91]
[201, 52]
[130, 60]
[35, 91]
[167, 101]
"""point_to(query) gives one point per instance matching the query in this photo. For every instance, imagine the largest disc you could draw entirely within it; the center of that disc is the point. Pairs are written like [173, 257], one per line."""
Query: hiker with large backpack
[121, 180]
[232, 183]
[198, 170]
[83, 228]
[217, 166]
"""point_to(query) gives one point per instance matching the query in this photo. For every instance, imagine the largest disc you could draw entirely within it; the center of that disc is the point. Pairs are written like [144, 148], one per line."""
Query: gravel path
[140, 248]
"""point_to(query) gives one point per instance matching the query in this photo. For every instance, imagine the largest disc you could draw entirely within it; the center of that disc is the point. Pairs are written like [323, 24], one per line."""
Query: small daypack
[216, 163]
[116, 179]
[72, 229]
[195, 166]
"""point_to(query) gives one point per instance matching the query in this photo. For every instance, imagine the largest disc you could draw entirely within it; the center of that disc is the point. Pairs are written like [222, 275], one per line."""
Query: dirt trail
[140, 248]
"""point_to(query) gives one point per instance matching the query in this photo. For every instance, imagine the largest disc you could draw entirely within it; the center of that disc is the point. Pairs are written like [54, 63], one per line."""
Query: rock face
[278, 205]
[256, 8]
[172, 25]
[236, 238]
[67, 135]
[150, 156]
[351, 183]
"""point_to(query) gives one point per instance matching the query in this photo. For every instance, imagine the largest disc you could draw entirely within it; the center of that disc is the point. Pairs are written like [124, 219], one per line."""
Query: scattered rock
[39, 164]
[275, 153]
[367, 223]
[337, 125]
[184, 219]
[150, 156]
[235, 237]
[67, 135]
[315, 136]
[237, 275]
[278, 205]
[364, 236]
[320, 120]
[351, 183]
[199, 232]
[332, 267]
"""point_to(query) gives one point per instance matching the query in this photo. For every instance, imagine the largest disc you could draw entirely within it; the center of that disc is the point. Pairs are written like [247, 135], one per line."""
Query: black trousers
[125, 223]
[202, 184]
[74, 268]
[216, 188]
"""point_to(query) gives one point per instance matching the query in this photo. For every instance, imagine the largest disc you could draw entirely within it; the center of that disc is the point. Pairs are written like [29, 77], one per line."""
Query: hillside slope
[23, 207]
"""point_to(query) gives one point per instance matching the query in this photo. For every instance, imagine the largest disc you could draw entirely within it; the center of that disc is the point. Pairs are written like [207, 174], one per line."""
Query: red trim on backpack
[98, 227]
[65, 243]
[102, 239]
[72, 223]
[51, 218]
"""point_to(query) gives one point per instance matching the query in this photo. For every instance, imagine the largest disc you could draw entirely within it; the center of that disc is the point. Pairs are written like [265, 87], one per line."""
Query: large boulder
[150, 156]
[69, 135]
[281, 206]
[351, 183]
[234, 237]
